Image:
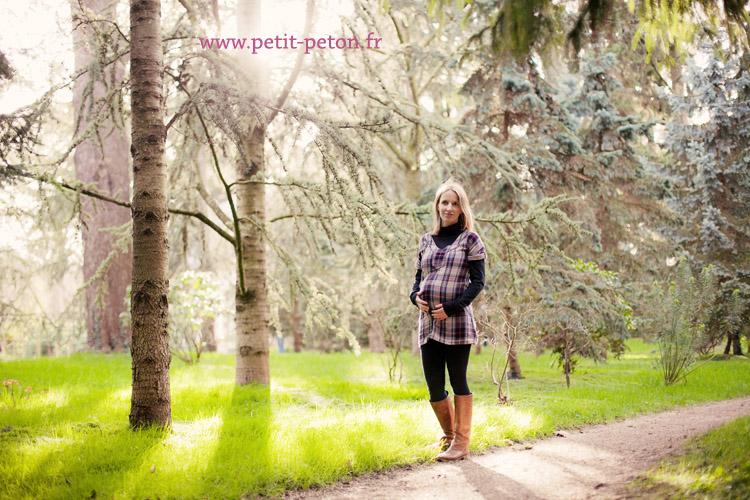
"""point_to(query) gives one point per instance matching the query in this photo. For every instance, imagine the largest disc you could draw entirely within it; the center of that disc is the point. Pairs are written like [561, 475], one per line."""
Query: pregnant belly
[434, 294]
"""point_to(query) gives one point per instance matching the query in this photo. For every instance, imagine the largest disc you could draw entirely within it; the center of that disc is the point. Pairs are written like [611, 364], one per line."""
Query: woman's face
[449, 208]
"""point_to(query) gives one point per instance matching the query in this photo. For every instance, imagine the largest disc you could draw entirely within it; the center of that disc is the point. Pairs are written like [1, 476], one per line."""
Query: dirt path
[592, 463]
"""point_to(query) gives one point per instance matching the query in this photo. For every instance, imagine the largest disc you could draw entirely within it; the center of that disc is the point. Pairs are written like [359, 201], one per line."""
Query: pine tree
[151, 402]
[102, 161]
[580, 143]
[712, 174]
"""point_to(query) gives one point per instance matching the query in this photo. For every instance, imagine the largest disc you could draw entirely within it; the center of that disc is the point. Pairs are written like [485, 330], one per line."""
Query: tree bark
[150, 403]
[296, 323]
[252, 312]
[251, 302]
[104, 164]
[208, 329]
[514, 367]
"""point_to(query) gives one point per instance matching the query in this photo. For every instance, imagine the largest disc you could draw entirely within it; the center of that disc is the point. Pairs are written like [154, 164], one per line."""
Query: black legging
[435, 357]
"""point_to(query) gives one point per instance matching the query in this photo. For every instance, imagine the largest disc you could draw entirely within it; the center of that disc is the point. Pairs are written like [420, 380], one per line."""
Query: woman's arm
[476, 278]
[415, 286]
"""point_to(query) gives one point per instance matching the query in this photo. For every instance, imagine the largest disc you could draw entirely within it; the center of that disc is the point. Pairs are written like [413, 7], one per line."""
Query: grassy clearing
[715, 466]
[324, 418]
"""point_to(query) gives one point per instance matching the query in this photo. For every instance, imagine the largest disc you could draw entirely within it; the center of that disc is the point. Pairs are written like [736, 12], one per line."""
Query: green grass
[715, 466]
[325, 417]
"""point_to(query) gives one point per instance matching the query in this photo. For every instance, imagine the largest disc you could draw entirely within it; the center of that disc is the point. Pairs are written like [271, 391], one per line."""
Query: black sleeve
[415, 287]
[476, 278]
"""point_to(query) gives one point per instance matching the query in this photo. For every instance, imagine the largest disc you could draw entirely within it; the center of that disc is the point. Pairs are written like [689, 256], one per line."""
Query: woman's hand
[439, 313]
[422, 304]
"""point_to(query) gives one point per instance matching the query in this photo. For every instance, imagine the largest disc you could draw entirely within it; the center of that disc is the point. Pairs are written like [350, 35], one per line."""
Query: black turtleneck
[445, 237]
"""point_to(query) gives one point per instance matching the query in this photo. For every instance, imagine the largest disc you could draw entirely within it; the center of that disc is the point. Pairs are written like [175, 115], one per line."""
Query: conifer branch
[80, 188]
[203, 192]
[89, 20]
[395, 151]
[235, 218]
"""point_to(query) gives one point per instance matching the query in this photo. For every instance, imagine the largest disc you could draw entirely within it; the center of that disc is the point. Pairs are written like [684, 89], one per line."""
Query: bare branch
[297, 64]
[208, 199]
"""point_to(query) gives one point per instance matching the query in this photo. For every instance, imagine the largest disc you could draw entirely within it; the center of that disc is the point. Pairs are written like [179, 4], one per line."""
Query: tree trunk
[296, 323]
[208, 334]
[252, 313]
[375, 336]
[6, 71]
[413, 186]
[416, 350]
[678, 83]
[208, 329]
[514, 367]
[104, 164]
[150, 403]
[675, 73]
[733, 344]
[251, 304]
[413, 191]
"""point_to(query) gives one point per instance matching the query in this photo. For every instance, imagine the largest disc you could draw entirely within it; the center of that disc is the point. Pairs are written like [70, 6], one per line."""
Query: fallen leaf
[153, 468]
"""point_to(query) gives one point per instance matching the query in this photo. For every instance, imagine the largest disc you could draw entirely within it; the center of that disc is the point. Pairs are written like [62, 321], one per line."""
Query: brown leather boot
[444, 413]
[460, 446]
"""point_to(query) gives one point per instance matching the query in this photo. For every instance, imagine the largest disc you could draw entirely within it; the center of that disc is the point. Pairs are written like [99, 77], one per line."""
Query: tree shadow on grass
[241, 463]
[92, 461]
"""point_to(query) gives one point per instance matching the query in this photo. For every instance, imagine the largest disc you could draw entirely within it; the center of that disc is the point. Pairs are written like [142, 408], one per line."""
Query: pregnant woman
[450, 274]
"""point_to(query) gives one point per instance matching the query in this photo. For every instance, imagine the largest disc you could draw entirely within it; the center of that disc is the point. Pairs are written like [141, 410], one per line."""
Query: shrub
[192, 299]
[684, 307]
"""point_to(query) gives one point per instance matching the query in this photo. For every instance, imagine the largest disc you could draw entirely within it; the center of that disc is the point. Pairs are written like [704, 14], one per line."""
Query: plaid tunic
[445, 276]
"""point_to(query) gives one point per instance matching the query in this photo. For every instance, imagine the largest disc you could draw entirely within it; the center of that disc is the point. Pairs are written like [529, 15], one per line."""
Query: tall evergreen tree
[101, 161]
[252, 364]
[151, 402]
[581, 143]
[519, 27]
[712, 174]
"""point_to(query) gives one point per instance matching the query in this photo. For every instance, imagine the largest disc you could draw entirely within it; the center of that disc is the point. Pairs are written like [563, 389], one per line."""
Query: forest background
[602, 144]
[593, 172]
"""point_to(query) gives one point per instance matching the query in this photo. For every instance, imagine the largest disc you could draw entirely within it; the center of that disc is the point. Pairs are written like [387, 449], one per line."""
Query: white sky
[35, 35]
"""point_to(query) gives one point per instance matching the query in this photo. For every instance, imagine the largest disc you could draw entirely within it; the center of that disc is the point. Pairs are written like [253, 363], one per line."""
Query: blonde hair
[465, 219]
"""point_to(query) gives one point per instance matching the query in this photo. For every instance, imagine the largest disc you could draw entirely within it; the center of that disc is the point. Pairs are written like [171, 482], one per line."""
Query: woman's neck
[452, 229]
